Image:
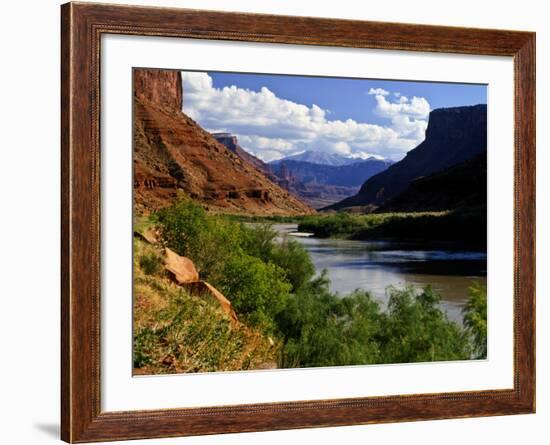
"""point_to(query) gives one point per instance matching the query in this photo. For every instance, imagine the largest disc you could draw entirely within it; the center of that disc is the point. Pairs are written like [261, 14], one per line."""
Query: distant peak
[324, 158]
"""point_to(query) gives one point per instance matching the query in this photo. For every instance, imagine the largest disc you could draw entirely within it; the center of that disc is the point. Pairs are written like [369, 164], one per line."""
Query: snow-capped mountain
[323, 158]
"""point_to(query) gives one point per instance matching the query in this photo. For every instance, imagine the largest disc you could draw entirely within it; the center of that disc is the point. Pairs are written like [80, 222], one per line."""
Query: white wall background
[29, 224]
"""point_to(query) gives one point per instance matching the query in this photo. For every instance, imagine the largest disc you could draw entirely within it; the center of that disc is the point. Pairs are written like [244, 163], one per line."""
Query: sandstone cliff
[453, 136]
[172, 152]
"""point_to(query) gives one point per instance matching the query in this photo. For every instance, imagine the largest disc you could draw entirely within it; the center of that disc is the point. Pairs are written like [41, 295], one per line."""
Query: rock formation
[206, 290]
[232, 143]
[458, 187]
[454, 135]
[172, 152]
[161, 87]
[181, 268]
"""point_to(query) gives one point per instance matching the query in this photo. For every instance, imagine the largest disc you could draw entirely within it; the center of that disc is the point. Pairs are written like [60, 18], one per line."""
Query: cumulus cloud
[271, 127]
[409, 117]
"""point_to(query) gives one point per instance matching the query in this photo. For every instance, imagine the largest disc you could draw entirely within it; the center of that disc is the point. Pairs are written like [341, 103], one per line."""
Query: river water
[375, 265]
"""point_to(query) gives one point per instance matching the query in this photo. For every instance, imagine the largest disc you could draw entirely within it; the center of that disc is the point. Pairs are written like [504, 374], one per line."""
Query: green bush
[322, 329]
[208, 240]
[258, 240]
[415, 329]
[475, 319]
[293, 258]
[257, 289]
[241, 260]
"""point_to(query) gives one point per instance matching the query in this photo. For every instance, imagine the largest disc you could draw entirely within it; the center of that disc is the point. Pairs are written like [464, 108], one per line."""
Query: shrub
[322, 329]
[290, 256]
[151, 263]
[208, 240]
[258, 290]
[258, 240]
[475, 319]
[415, 329]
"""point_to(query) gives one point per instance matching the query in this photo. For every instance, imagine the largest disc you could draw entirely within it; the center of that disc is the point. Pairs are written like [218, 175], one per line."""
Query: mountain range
[323, 158]
[316, 183]
[320, 185]
[348, 175]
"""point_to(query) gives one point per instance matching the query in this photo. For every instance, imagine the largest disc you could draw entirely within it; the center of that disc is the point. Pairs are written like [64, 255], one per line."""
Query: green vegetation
[150, 262]
[286, 314]
[242, 261]
[322, 329]
[465, 226]
[475, 318]
[344, 224]
[263, 219]
[177, 332]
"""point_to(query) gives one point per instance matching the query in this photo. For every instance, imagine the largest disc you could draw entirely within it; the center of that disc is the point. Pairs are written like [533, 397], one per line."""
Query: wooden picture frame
[82, 25]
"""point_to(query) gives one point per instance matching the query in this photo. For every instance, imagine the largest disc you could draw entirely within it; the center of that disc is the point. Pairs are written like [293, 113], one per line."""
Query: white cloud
[378, 92]
[409, 117]
[272, 127]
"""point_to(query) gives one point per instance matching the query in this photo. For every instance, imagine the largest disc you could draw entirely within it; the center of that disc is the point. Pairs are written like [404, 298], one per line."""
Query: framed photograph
[275, 222]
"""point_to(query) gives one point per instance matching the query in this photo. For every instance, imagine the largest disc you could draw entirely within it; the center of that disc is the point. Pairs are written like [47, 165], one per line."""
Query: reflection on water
[375, 265]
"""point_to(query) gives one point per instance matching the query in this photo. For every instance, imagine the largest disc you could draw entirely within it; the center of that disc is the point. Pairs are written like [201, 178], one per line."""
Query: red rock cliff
[162, 87]
[173, 153]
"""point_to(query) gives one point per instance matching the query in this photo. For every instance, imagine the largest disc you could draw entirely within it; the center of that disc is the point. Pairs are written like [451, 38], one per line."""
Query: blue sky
[339, 95]
[276, 116]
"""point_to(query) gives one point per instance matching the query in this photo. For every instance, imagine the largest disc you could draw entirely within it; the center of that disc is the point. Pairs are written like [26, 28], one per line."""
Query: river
[375, 265]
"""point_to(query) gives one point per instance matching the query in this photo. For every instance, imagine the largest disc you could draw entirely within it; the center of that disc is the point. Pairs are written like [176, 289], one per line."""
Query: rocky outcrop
[172, 152]
[183, 272]
[205, 290]
[162, 87]
[453, 136]
[180, 268]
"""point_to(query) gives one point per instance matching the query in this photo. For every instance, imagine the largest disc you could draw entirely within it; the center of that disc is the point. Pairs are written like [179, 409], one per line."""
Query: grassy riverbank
[285, 314]
[461, 226]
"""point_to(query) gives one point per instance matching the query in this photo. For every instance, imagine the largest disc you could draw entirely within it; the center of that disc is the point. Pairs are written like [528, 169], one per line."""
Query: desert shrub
[475, 319]
[322, 329]
[243, 261]
[150, 262]
[259, 240]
